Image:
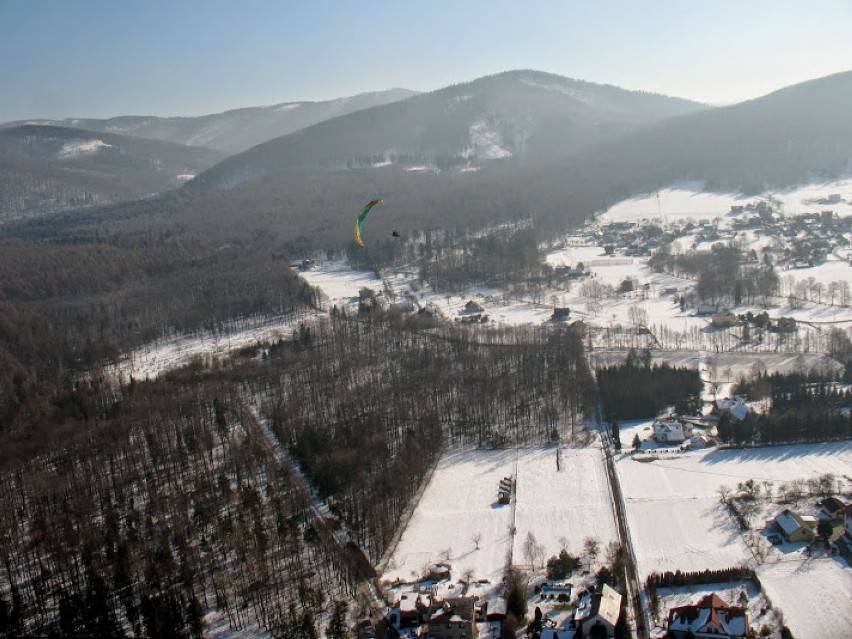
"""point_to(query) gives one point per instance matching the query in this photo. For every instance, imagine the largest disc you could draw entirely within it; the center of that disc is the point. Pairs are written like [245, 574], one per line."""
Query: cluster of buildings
[427, 612]
[791, 526]
[674, 430]
[426, 615]
[802, 240]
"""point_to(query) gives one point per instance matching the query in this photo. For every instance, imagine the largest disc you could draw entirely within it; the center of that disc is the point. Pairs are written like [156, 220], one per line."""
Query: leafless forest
[155, 503]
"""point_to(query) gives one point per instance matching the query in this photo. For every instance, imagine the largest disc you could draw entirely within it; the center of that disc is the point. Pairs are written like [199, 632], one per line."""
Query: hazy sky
[100, 58]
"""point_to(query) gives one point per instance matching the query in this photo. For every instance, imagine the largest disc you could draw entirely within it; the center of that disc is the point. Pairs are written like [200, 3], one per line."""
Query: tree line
[637, 389]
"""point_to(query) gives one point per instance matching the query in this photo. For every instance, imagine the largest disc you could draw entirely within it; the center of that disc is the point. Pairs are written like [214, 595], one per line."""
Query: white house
[671, 431]
[736, 407]
[601, 612]
[710, 617]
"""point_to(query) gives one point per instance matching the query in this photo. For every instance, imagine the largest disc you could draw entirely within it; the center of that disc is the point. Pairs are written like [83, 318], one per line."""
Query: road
[368, 593]
[639, 619]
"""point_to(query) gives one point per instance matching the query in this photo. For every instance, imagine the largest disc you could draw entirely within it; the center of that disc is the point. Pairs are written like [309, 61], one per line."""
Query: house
[710, 617]
[576, 273]
[698, 442]
[794, 527]
[438, 572]
[495, 609]
[452, 618]
[706, 309]
[409, 611]
[671, 431]
[403, 306]
[601, 615]
[735, 407]
[473, 307]
[560, 313]
[723, 319]
[833, 507]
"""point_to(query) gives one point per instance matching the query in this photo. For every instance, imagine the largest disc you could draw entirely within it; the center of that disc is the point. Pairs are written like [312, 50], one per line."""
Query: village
[685, 508]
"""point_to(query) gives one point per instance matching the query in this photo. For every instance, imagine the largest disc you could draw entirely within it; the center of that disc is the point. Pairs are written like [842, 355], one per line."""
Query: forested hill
[525, 115]
[792, 136]
[45, 169]
[235, 130]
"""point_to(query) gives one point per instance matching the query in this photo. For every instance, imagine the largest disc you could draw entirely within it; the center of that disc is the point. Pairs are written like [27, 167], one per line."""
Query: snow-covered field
[687, 200]
[677, 523]
[571, 504]
[815, 596]
[175, 351]
[673, 510]
[680, 201]
[461, 501]
[341, 284]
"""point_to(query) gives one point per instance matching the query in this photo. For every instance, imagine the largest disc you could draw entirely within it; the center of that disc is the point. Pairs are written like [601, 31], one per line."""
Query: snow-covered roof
[407, 604]
[788, 522]
[496, 606]
[736, 407]
[608, 606]
[711, 610]
[670, 431]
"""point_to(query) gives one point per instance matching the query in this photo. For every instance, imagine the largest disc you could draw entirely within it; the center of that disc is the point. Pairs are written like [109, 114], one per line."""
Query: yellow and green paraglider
[360, 219]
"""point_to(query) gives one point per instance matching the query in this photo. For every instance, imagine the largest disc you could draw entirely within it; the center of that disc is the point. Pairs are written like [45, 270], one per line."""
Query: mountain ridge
[233, 130]
[530, 114]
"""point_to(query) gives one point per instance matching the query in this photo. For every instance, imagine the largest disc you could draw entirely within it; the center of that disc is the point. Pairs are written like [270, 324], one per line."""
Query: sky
[103, 58]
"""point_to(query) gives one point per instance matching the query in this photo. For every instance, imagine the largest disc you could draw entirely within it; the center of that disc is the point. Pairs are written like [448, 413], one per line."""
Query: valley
[588, 374]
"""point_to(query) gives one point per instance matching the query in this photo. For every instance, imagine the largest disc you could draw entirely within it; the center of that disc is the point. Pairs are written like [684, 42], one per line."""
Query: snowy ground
[174, 351]
[673, 510]
[687, 200]
[570, 504]
[815, 596]
[341, 284]
[461, 501]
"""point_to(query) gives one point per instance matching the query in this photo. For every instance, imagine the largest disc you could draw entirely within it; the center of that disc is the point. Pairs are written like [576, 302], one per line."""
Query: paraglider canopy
[361, 217]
